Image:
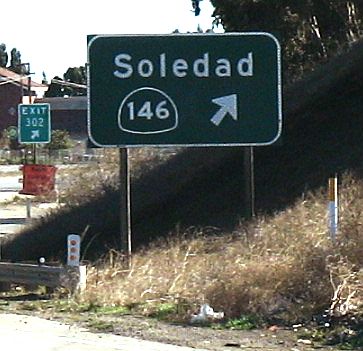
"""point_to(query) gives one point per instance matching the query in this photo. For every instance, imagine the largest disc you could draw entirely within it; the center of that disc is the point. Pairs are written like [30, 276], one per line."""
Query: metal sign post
[183, 90]
[249, 182]
[125, 205]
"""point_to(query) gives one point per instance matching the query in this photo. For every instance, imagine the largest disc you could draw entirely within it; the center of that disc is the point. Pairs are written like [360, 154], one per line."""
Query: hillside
[322, 135]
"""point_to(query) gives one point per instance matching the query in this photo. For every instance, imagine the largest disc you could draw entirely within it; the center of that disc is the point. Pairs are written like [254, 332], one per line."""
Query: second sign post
[182, 90]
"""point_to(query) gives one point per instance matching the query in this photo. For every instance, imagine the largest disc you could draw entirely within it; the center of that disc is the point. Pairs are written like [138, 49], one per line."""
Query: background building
[16, 89]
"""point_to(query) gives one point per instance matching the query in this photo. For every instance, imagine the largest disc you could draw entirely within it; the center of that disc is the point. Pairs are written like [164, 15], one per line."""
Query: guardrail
[73, 276]
[70, 277]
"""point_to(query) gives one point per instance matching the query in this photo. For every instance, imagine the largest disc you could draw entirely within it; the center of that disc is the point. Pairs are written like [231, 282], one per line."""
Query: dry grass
[95, 177]
[281, 268]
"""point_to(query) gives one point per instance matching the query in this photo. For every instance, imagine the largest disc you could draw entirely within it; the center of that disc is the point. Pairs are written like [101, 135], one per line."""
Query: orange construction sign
[38, 179]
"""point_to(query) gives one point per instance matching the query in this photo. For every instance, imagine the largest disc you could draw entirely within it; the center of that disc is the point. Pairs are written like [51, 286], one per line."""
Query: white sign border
[49, 125]
[279, 90]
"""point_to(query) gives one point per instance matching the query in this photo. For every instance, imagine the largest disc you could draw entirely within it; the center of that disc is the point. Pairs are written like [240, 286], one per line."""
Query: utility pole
[34, 146]
[30, 101]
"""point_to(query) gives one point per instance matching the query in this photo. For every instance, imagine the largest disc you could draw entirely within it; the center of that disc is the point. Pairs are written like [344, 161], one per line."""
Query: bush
[282, 268]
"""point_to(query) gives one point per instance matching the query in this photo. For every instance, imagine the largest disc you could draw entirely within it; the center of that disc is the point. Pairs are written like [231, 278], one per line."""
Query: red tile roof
[6, 74]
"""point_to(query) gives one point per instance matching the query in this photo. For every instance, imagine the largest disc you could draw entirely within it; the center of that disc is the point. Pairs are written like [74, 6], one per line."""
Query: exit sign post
[34, 123]
[184, 90]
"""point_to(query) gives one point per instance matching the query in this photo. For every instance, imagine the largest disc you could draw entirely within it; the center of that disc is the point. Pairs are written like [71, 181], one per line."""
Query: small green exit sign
[34, 125]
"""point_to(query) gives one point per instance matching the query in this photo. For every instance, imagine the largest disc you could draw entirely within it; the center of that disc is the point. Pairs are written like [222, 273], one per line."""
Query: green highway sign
[184, 90]
[34, 125]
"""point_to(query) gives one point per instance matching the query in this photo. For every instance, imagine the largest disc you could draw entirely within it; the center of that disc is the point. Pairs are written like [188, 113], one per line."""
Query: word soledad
[202, 67]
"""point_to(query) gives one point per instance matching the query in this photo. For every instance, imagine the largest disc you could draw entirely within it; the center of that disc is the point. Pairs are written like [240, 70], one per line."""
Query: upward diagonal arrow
[35, 134]
[228, 105]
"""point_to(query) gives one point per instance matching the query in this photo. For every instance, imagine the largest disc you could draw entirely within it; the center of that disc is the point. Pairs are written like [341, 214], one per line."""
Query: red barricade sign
[38, 179]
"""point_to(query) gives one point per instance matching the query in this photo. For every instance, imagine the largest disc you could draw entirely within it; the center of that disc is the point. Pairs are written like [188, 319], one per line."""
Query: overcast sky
[52, 35]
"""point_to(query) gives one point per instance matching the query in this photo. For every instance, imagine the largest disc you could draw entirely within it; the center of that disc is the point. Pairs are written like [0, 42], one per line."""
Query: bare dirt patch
[140, 327]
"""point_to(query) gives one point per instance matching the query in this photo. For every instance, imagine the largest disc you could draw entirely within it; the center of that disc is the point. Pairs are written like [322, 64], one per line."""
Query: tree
[9, 139]
[54, 89]
[77, 75]
[15, 62]
[60, 140]
[3, 56]
[4, 140]
[310, 31]
[74, 76]
[44, 80]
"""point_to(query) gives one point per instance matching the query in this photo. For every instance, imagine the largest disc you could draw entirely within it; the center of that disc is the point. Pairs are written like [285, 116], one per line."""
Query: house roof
[15, 78]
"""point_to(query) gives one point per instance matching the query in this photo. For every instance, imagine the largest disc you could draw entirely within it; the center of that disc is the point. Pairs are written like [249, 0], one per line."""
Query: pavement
[18, 332]
[15, 214]
[12, 217]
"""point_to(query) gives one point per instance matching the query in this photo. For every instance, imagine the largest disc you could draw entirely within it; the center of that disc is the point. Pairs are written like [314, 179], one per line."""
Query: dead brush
[278, 268]
[347, 285]
[95, 177]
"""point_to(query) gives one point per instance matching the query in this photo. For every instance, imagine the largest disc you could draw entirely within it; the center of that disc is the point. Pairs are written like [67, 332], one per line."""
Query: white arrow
[228, 104]
[35, 134]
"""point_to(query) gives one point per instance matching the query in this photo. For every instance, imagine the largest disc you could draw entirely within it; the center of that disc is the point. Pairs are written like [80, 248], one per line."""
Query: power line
[11, 80]
[70, 84]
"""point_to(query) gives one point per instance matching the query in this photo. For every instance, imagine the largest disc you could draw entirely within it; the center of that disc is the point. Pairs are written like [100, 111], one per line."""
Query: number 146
[146, 111]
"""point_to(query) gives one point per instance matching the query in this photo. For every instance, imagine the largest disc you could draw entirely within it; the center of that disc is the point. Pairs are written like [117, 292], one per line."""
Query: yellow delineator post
[333, 207]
